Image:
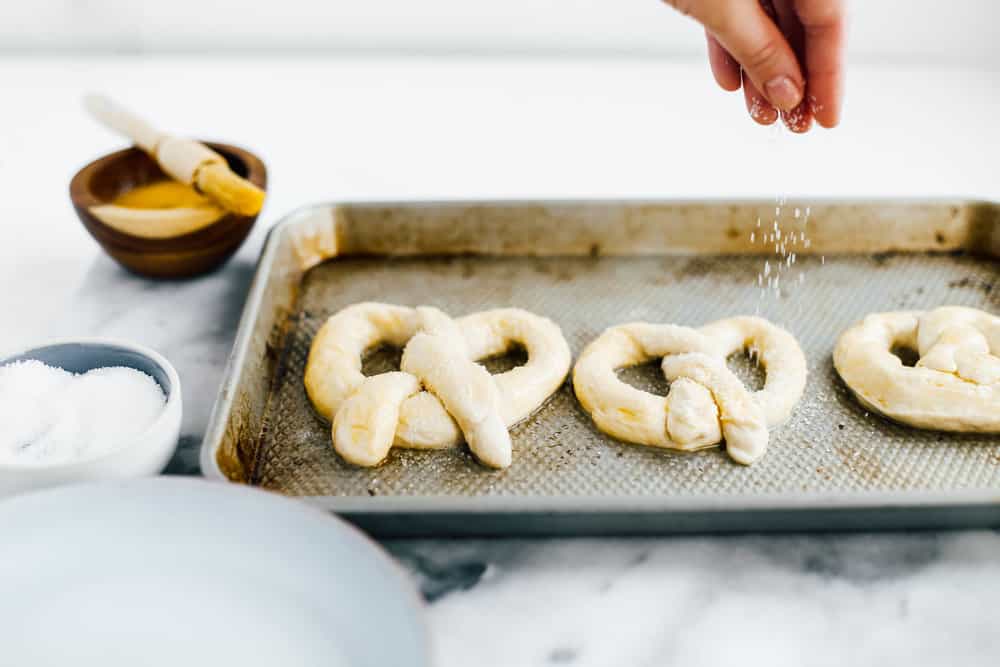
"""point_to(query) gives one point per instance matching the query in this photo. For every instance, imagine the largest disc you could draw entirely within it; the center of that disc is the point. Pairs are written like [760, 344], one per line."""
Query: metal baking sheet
[588, 266]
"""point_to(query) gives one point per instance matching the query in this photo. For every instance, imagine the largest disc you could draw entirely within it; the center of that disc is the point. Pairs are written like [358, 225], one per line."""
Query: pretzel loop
[954, 386]
[706, 401]
[440, 395]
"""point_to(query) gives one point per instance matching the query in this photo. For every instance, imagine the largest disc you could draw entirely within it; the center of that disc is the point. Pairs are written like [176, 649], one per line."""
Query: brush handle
[121, 120]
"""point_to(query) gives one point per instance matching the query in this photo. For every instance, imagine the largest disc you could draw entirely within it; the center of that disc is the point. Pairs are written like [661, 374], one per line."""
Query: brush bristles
[229, 190]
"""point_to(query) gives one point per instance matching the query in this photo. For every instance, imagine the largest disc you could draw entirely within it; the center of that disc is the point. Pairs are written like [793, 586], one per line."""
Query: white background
[935, 31]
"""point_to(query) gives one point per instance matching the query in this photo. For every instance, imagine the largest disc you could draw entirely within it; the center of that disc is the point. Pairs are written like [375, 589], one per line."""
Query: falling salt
[786, 242]
[48, 415]
[786, 234]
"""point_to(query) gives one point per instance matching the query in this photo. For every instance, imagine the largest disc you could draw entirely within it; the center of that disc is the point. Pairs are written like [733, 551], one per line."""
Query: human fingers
[800, 118]
[724, 68]
[757, 105]
[823, 26]
[744, 29]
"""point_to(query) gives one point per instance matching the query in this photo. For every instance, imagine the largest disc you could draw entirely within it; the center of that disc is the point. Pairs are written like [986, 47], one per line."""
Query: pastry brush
[184, 160]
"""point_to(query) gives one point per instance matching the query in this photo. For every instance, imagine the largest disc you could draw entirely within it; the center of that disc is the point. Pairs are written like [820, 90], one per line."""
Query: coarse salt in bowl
[103, 421]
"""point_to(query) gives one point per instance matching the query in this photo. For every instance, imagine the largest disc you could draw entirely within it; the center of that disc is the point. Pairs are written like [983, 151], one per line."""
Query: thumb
[754, 40]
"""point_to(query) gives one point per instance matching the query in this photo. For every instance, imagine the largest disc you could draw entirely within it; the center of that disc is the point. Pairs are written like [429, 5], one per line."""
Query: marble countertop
[383, 128]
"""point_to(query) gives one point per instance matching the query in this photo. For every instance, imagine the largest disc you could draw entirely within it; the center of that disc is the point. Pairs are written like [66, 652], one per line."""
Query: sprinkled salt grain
[785, 241]
[50, 416]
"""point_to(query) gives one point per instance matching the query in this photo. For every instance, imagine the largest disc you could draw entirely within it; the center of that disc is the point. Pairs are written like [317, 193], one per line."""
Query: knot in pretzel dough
[706, 401]
[955, 386]
[440, 393]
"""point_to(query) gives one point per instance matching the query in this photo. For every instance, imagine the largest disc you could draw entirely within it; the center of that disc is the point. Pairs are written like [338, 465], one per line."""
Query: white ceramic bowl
[147, 455]
[175, 571]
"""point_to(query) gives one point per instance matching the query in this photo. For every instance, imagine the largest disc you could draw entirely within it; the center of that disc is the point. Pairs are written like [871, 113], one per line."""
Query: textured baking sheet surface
[829, 445]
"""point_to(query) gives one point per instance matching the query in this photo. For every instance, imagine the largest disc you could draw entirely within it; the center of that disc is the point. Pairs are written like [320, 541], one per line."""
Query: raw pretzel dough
[706, 402]
[459, 397]
[955, 386]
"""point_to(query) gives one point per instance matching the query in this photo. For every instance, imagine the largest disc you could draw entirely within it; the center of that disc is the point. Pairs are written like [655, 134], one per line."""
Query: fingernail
[797, 120]
[783, 93]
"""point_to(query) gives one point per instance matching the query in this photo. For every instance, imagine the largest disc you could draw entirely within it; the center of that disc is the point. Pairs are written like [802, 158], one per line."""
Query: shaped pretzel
[440, 395]
[706, 401]
[955, 386]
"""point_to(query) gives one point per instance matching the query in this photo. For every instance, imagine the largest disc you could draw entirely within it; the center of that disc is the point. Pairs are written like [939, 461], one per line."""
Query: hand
[786, 54]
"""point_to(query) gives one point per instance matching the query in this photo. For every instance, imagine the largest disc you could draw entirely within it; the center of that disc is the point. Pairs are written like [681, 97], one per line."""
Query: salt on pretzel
[955, 386]
[440, 396]
[706, 401]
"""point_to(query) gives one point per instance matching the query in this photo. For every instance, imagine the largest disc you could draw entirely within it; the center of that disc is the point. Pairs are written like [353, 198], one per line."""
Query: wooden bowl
[181, 256]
